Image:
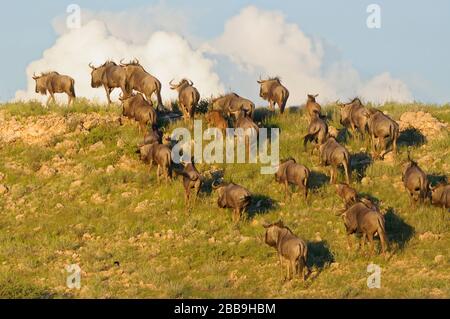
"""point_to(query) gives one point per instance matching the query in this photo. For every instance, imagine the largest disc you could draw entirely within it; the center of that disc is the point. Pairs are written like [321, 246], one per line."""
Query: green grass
[134, 238]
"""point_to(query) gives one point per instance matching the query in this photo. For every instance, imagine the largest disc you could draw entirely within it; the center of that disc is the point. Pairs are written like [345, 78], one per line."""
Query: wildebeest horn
[339, 103]
[214, 185]
[171, 83]
[35, 76]
[190, 83]
[91, 66]
[266, 225]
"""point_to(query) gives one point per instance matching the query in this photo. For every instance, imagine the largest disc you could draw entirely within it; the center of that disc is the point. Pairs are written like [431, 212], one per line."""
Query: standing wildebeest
[161, 155]
[192, 180]
[110, 76]
[366, 220]
[232, 103]
[354, 116]
[216, 119]
[140, 80]
[334, 154]
[188, 97]
[317, 131]
[53, 82]
[440, 195]
[233, 196]
[289, 172]
[415, 181]
[273, 91]
[383, 132]
[312, 106]
[348, 194]
[137, 108]
[289, 248]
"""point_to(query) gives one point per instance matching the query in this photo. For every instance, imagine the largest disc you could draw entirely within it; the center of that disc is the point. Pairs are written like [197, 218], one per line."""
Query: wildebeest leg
[370, 237]
[301, 267]
[108, 94]
[281, 267]
[288, 273]
[333, 175]
[51, 98]
[293, 268]
[347, 173]
[362, 242]
[157, 173]
[271, 106]
[349, 242]
[286, 188]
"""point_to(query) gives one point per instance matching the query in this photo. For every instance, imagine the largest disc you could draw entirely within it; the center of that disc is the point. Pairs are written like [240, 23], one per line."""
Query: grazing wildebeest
[440, 195]
[110, 76]
[290, 172]
[217, 120]
[188, 97]
[415, 181]
[273, 91]
[136, 107]
[53, 82]
[289, 248]
[347, 193]
[334, 154]
[312, 106]
[354, 116]
[161, 155]
[366, 220]
[232, 103]
[383, 131]
[233, 196]
[140, 80]
[192, 180]
[317, 131]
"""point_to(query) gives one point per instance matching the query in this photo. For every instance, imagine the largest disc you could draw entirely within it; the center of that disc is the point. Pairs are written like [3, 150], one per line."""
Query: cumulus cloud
[165, 55]
[263, 43]
[254, 43]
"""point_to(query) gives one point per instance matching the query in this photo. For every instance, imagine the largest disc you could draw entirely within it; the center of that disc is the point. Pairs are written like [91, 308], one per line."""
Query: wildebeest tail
[158, 94]
[72, 87]
[284, 98]
[382, 231]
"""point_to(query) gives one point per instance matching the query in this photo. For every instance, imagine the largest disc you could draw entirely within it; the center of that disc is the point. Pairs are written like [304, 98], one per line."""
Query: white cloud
[165, 55]
[262, 42]
[254, 43]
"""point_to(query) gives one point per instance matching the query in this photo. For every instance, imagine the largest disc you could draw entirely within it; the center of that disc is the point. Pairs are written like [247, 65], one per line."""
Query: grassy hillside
[84, 198]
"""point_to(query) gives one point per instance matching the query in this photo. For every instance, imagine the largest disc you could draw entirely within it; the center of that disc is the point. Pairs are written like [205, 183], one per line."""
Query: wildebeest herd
[360, 215]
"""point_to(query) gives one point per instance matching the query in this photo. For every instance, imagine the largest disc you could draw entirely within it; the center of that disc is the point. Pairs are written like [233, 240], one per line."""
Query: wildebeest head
[312, 98]
[41, 83]
[437, 191]
[181, 85]
[267, 86]
[272, 231]
[97, 74]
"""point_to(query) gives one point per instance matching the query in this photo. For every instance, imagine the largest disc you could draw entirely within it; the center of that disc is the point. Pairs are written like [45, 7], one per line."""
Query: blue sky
[413, 43]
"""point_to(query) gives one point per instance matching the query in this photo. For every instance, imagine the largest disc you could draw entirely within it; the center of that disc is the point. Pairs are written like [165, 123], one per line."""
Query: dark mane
[49, 73]
[274, 78]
